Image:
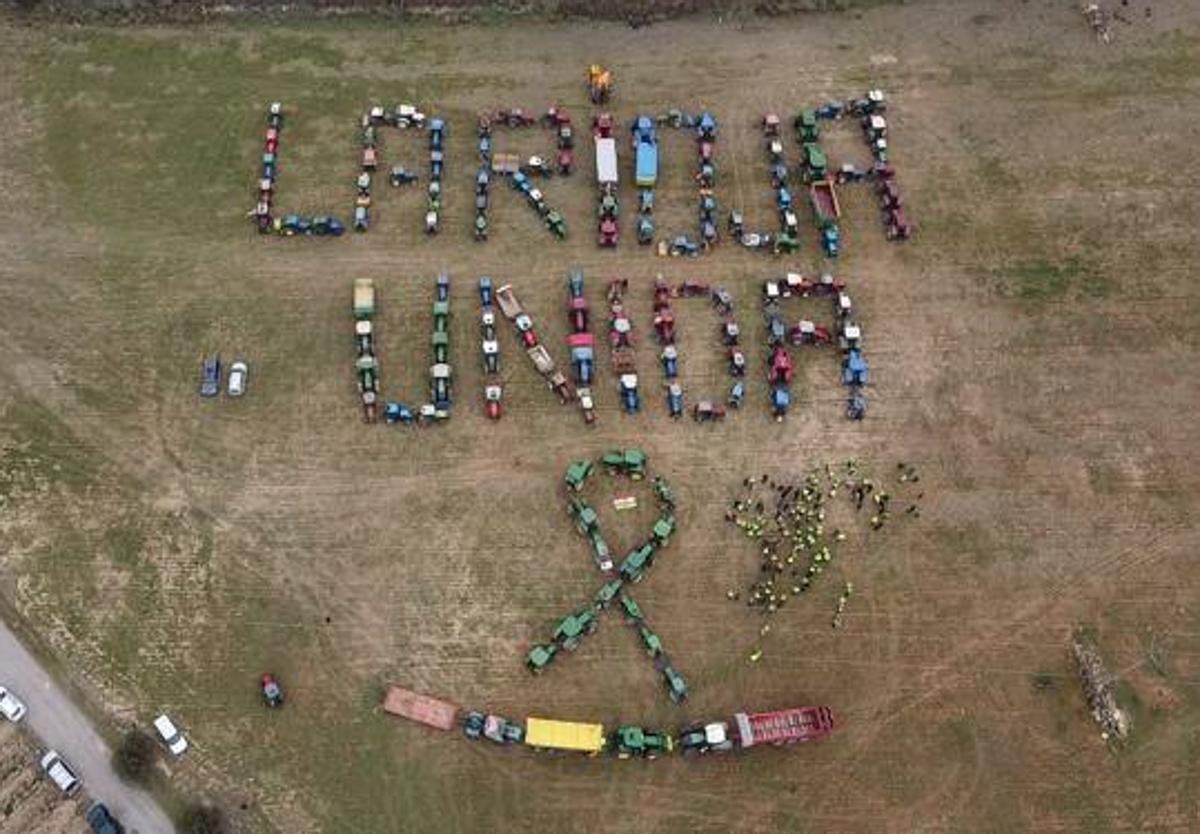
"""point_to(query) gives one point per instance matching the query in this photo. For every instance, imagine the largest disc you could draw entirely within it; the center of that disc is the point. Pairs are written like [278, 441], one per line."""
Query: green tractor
[635, 564]
[441, 346]
[600, 551]
[806, 126]
[585, 517]
[607, 593]
[651, 641]
[662, 491]
[577, 473]
[556, 224]
[629, 741]
[631, 462]
[441, 316]
[573, 628]
[539, 657]
[663, 528]
[633, 612]
[815, 164]
[786, 244]
[676, 687]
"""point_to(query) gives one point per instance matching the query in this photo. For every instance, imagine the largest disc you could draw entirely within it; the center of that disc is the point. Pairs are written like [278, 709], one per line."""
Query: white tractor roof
[362, 327]
[629, 380]
[853, 331]
[878, 123]
[716, 733]
[440, 371]
[491, 347]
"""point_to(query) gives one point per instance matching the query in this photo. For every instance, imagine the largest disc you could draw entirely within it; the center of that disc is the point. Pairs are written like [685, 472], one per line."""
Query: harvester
[600, 84]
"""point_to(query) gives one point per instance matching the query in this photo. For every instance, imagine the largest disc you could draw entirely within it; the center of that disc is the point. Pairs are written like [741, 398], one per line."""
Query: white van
[60, 773]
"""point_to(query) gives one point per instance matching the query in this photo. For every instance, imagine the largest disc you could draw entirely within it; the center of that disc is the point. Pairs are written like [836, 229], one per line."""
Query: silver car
[11, 706]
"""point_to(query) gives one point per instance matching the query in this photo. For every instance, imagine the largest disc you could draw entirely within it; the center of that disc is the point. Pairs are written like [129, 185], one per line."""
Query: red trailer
[824, 202]
[420, 708]
[785, 726]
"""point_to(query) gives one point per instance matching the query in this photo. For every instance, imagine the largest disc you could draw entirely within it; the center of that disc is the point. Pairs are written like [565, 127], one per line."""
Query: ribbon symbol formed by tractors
[575, 626]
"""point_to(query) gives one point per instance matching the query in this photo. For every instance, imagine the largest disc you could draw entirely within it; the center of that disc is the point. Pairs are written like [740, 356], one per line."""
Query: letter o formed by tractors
[571, 629]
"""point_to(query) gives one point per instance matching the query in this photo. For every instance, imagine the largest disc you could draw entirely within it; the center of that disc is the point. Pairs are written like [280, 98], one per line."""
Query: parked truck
[420, 708]
[645, 145]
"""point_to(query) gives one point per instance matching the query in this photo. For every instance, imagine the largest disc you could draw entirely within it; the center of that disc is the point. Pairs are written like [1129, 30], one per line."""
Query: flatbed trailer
[420, 708]
[606, 161]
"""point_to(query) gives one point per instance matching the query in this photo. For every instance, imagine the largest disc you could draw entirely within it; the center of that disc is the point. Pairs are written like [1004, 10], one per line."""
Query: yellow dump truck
[546, 734]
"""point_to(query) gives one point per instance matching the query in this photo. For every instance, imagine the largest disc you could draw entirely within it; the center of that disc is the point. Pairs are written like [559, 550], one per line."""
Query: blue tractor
[831, 241]
[675, 399]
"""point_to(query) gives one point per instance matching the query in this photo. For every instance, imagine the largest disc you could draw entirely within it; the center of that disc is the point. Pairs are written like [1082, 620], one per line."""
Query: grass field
[1031, 351]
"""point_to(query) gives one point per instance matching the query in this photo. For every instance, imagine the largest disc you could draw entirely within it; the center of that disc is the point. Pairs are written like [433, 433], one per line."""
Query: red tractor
[272, 692]
[492, 395]
[577, 313]
[707, 410]
[565, 161]
[609, 232]
[664, 326]
[602, 125]
[889, 195]
[662, 295]
[896, 225]
[770, 124]
[781, 367]
[808, 333]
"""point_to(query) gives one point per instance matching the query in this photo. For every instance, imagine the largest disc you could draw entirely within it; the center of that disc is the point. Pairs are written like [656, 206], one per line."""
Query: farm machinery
[581, 344]
[493, 390]
[600, 84]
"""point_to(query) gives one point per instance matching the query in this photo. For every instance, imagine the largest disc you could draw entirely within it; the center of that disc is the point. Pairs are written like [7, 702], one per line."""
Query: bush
[202, 818]
[134, 756]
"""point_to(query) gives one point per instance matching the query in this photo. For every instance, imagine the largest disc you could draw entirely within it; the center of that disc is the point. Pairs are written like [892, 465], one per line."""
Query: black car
[101, 821]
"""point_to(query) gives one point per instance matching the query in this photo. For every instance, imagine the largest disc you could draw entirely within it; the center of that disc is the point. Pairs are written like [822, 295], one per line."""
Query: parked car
[170, 735]
[60, 773]
[11, 706]
[210, 376]
[237, 378]
[102, 821]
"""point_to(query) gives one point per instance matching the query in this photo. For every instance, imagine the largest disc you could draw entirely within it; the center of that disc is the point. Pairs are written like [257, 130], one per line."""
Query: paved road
[56, 720]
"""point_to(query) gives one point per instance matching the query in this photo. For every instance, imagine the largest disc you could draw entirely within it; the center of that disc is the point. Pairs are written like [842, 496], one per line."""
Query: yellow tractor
[600, 82]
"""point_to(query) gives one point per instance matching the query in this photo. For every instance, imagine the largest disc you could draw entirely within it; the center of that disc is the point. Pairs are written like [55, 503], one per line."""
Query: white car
[170, 735]
[60, 773]
[237, 378]
[11, 706]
